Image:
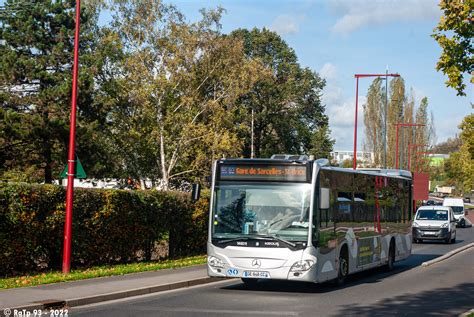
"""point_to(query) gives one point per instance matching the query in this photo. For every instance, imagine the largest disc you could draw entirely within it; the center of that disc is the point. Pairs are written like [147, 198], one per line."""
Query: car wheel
[250, 281]
[448, 239]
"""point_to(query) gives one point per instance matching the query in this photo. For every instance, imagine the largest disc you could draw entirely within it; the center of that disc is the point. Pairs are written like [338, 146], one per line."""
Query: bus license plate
[256, 274]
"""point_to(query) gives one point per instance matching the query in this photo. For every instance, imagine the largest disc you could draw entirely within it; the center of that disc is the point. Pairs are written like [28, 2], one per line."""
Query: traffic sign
[78, 170]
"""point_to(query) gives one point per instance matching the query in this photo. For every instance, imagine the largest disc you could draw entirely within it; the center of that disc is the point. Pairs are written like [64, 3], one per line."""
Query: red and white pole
[71, 156]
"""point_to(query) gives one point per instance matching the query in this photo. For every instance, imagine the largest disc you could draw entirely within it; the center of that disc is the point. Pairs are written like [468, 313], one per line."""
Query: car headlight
[444, 225]
[302, 266]
[215, 261]
[415, 224]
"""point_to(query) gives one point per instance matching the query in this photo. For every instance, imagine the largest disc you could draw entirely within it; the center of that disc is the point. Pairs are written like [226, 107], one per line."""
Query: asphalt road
[442, 289]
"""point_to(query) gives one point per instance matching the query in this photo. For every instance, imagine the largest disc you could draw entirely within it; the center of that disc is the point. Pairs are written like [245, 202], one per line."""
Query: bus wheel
[391, 256]
[343, 270]
[250, 281]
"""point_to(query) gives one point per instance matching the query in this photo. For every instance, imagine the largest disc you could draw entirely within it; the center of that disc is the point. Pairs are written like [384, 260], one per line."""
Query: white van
[434, 223]
[457, 204]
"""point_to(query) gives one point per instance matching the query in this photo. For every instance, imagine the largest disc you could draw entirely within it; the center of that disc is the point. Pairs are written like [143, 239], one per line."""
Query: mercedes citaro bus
[293, 218]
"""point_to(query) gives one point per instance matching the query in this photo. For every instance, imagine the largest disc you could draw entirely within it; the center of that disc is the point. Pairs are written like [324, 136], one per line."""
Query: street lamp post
[71, 154]
[357, 76]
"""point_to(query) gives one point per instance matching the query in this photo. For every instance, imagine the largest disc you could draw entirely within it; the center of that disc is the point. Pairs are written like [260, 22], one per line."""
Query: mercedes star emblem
[256, 263]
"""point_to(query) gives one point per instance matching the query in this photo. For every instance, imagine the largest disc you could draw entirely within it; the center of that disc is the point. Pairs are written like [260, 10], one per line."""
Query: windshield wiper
[277, 239]
[259, 237]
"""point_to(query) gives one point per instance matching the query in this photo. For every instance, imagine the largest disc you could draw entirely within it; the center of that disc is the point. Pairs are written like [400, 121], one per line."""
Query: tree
[454, 34]
[460, 165]
[373, 121]
[179, 84]
[35, 88]
[400, 110]
[288, 113]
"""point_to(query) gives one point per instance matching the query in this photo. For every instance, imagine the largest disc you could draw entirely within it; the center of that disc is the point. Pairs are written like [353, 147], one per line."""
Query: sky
[340, 38]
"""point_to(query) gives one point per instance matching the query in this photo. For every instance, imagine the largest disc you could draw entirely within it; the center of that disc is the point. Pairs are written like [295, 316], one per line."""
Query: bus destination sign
[289, 173]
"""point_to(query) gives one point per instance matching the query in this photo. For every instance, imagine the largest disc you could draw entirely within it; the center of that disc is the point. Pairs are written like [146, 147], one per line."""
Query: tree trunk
[164, 170]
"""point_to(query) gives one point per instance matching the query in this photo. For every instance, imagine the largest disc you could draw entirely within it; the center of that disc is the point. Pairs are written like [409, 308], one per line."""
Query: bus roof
[397, 173]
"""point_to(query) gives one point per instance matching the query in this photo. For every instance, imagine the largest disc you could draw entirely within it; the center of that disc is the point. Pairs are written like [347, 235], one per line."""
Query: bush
[109, 226]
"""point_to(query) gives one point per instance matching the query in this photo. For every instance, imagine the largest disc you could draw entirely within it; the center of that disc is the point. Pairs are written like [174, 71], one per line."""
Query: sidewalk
[101, 289]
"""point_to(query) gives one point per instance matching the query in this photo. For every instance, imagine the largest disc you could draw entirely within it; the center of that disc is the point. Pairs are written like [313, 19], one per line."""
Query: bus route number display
[264, 172]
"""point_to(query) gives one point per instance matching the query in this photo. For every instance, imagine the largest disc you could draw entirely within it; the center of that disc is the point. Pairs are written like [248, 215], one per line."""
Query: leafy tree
[178, 84]
[448, 146]
[288, 113]
[373, 121]
[454, 34]
[460, 165]
[36, 50]
[400, 109]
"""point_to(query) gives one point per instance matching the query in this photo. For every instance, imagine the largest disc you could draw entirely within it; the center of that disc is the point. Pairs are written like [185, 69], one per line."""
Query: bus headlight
[215, 261]
[302, 266]
[444, 225]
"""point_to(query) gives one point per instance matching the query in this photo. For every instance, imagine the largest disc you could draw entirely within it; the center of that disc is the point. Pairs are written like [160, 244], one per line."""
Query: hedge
[109, 226]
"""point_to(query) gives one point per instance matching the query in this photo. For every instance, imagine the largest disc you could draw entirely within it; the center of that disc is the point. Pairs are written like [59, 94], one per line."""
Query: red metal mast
[72, 144]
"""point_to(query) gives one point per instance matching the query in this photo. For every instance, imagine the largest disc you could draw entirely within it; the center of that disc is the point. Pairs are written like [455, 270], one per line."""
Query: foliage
[288, 113]
[448, 146]
[36, 55]
[454, 35]
[460, 165]
[109, 226]
[401, 109]
[178, 86]
[98, 271]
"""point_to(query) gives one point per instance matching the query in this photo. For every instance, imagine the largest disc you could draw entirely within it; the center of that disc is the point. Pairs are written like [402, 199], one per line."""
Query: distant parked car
[434, 223]
[430, 202]
[457, 204]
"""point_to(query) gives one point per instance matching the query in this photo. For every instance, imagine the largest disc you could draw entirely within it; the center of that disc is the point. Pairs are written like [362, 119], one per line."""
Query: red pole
[70, 160]
[396, 159]
[354, 163]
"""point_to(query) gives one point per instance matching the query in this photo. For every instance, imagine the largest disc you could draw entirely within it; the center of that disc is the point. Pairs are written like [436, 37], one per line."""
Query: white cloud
[285, 24]
[341, 111]
[328, 71]
[358, 14]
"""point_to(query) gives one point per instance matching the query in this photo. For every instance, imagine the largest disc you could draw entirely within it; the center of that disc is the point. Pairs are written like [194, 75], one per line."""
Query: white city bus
[299, 219]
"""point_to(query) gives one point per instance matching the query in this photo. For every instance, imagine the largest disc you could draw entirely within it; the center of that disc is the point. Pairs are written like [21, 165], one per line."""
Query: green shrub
[109, 226]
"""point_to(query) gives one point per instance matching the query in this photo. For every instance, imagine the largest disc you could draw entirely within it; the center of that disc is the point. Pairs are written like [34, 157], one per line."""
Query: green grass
[99, 271]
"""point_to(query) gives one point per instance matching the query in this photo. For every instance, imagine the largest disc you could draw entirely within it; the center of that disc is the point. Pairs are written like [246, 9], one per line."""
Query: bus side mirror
[323, 198]
[196, 193]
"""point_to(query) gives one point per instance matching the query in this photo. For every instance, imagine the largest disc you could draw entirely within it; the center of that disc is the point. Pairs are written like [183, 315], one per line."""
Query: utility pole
[71, 152]
[385, 121]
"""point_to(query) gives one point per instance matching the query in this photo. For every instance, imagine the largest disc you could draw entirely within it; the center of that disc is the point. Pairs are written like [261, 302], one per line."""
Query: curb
[447, 255]
[467, 313]
[74, 302]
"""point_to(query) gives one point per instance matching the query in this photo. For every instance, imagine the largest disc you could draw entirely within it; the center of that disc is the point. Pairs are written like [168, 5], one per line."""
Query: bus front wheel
[343, 270]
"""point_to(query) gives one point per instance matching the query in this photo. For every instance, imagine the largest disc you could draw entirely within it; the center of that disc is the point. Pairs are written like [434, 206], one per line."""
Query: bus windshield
[247, 211]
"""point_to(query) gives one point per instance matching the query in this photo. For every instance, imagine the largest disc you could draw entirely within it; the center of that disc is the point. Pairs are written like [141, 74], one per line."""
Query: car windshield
[246, 211]
[457, 209]
[432, 215]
